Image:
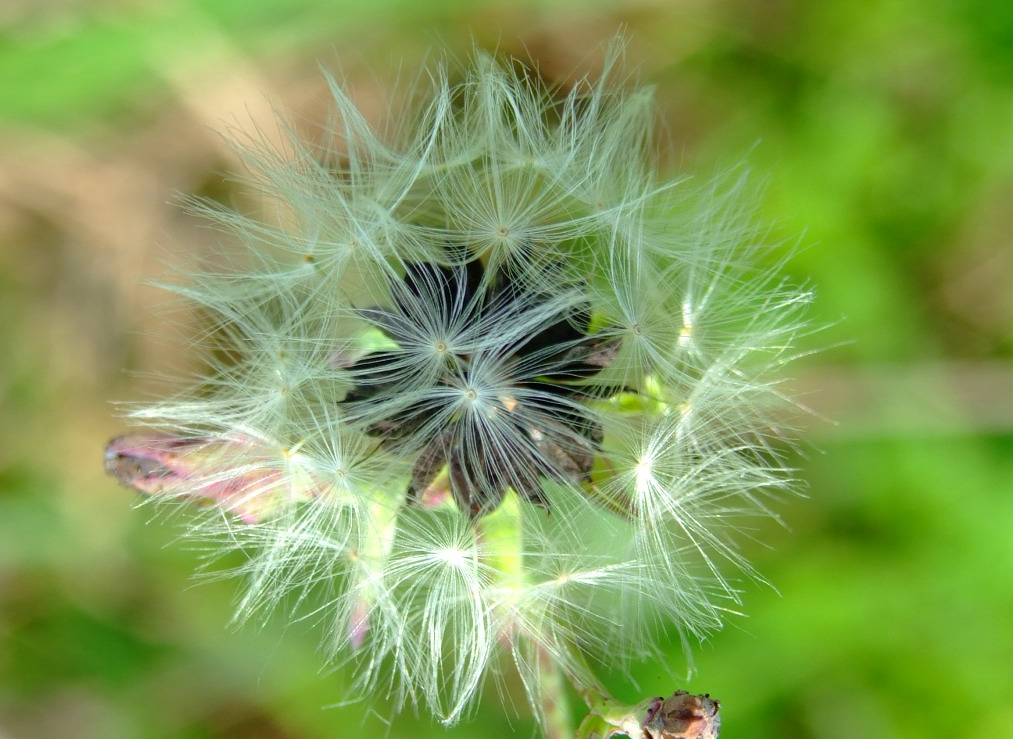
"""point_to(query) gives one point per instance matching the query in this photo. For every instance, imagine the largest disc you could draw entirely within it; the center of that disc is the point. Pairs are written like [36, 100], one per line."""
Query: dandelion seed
[492, 393]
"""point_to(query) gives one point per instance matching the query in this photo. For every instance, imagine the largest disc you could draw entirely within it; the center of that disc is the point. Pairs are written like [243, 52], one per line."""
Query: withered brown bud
[683, 716]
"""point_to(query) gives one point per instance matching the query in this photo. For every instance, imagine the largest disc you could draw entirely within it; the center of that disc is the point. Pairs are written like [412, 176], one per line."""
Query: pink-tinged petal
[358, 623]
[437, 494]
[342, 359]
[238, 473]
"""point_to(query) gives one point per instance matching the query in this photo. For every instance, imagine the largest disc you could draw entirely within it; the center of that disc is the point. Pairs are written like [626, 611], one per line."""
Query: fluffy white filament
[559, 192]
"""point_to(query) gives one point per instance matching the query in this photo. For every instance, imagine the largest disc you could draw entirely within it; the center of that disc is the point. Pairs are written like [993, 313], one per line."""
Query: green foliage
[884, 133]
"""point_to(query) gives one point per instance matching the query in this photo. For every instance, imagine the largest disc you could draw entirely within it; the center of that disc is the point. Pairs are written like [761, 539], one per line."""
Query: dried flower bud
[683, 716]
[236, 474]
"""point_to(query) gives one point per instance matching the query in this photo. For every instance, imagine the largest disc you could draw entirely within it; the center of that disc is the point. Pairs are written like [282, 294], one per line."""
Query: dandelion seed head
[484, 390]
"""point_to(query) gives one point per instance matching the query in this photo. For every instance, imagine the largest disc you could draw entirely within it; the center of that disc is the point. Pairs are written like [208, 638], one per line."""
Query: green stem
[502, 538]
[370, 559]
[555, 703]
[503, 542]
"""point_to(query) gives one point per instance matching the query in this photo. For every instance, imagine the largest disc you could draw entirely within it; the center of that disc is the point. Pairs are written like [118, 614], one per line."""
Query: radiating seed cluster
[484, 386]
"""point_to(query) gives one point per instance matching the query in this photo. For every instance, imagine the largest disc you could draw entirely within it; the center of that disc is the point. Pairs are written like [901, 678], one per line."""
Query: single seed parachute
[488, 387]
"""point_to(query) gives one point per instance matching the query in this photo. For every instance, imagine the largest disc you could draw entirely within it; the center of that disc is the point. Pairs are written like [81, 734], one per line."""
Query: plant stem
[502, 537]
[555, 706]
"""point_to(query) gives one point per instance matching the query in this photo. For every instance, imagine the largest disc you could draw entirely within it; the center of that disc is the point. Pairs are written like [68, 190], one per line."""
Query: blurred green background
[884, 134]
